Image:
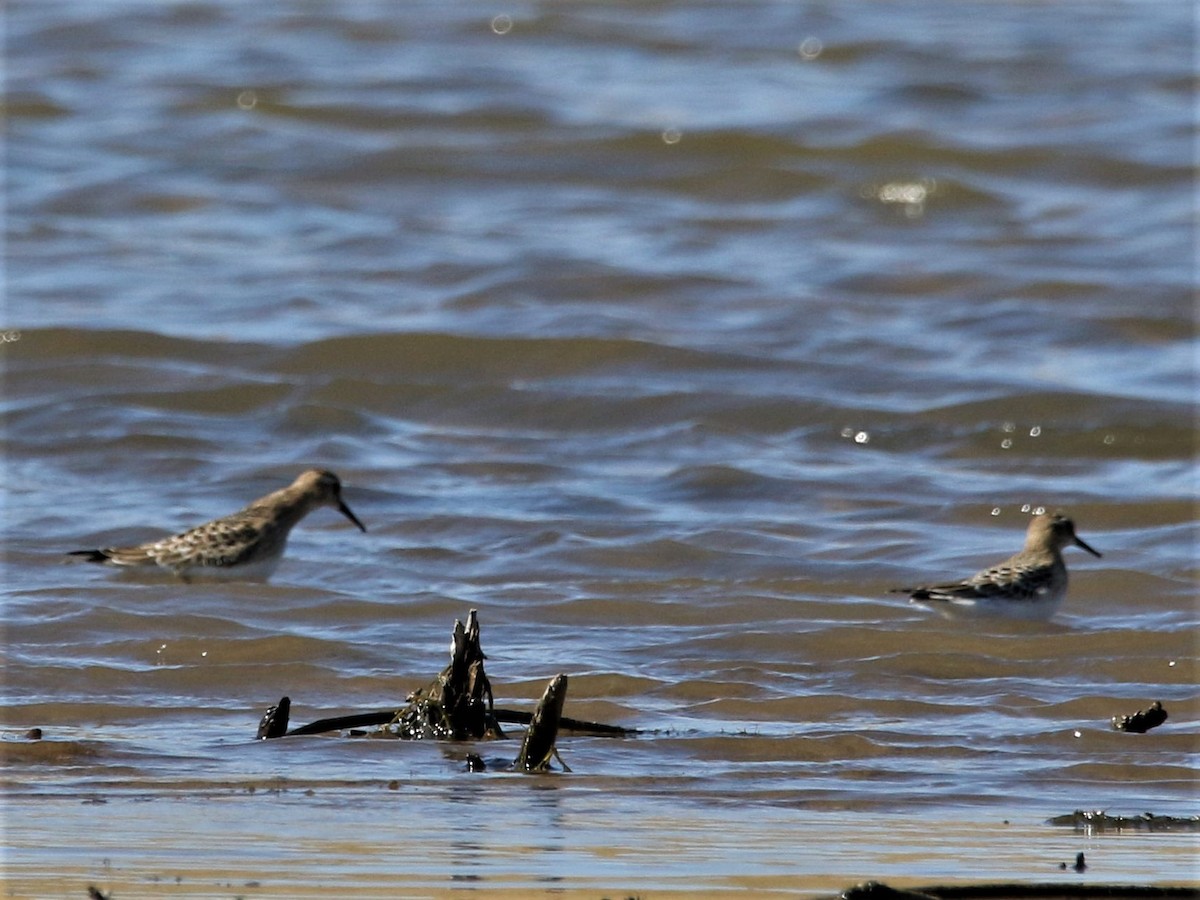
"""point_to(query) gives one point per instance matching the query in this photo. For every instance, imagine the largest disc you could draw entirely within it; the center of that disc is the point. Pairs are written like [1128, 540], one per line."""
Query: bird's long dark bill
[345, 511]
[1078, 543]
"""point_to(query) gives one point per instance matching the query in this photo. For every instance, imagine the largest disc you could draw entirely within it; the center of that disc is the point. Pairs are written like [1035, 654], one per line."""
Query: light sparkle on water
[810, 48]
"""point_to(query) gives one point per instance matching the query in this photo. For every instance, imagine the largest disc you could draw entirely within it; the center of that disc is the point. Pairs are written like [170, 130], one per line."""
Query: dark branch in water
[457, 706]
[538, 746]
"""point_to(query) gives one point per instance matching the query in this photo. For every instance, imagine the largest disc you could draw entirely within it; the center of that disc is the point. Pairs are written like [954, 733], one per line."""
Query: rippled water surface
[669, 336]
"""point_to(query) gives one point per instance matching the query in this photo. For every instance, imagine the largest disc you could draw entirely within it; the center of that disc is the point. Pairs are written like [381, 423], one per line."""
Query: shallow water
[668, 336]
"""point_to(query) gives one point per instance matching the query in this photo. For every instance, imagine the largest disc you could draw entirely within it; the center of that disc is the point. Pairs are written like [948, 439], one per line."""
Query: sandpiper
[245, 545]
[1029, 585]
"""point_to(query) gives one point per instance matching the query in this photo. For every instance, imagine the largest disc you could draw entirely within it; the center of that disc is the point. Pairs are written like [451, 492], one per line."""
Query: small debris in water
[1080, 864]
[1142, 720]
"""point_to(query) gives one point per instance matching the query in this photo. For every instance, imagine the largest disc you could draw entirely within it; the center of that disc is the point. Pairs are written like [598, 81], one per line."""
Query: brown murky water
[668, 336]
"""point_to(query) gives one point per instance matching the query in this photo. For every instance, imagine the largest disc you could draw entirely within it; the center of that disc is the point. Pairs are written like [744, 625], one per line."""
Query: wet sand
[337, 842]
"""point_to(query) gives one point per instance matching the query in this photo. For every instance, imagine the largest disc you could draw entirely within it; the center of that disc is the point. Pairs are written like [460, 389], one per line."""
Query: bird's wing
[1007, 582]
[223, 542]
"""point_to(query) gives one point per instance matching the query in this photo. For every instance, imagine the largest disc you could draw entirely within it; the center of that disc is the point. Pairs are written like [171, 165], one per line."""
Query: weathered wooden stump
[457, 706]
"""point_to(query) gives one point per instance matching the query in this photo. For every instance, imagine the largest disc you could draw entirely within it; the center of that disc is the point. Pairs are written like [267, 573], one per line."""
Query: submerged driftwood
[457, 705]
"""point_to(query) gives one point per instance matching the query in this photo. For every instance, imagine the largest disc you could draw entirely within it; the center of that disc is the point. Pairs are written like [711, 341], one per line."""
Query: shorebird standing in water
[1029, 585]
[245, 545]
